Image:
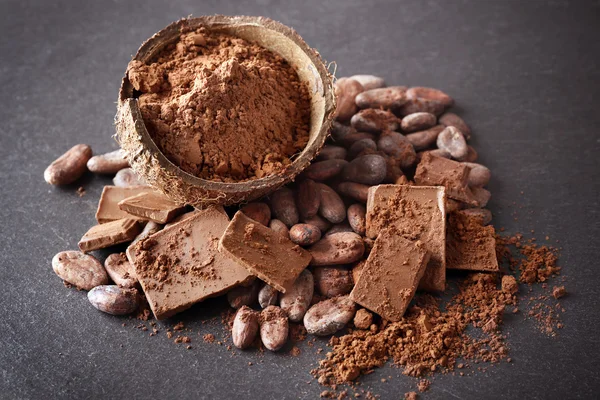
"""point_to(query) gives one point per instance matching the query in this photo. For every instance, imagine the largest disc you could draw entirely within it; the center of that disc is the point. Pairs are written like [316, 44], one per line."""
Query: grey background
[524, 75]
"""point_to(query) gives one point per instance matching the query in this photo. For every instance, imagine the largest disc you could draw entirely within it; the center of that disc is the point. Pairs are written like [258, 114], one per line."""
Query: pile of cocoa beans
[379, 136]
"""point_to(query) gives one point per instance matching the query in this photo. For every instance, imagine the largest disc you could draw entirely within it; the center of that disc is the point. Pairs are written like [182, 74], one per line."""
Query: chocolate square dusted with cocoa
[391, 274]
[264, 252]
[108, 206]
[469, 244]
[439, 171]
[181, 265]
[152, 205]
[110, 234]
[417, 213]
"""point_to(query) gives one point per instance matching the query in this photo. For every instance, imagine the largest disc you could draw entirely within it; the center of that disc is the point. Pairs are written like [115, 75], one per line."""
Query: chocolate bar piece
[390, 277]
[439, 171]
[417, 213]
[469, 244]
[108, 207]
[264, 252]
[106, 235]
[181, 265]
[152, 205]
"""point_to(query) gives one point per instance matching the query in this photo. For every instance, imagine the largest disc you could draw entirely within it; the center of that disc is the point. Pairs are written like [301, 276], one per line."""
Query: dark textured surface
[524, 75]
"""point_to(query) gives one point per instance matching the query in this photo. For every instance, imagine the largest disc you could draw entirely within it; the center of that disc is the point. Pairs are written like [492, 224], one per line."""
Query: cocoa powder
[222, 108]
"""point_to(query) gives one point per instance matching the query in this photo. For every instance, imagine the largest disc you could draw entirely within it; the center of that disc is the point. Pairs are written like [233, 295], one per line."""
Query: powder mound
[222, 108]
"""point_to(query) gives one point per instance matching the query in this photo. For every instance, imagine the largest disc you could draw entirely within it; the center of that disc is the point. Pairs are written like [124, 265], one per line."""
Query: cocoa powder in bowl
[221, 166]
[223, 108]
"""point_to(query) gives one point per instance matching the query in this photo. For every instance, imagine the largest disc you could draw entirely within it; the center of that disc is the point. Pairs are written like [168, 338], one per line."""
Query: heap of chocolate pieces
[393, 201]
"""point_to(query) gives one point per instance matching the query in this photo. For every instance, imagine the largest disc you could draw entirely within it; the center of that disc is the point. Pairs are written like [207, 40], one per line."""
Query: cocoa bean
[362, 147]
[390, 98]
[451, 119]
[431, 94]
[324, 170]
[479, 175]
[151, 228]
[357, 218]
[453, 141]
[114, 300]
[424, 139]
[333, 281]
[329, 316]
[127, 177]
[434, 152]
[369, 170]
[243, 295]
[260, 212]
[69, 167]
[331, 152]
[481, 196]
[346, 91]
[336, 249]
[319, 222]
[108, 163]
[283, 206]
[279, 227]
[352, 138]
[374, 121]
[337, 228]
[120, 270]
[245, 327]
[422, 99]
[331, 206]
[79, 269]
[304, 234]
[472, 155]
[356, 191]
[339, 131]
[393, 172]
[397, 145]
[274, 328]
[308, 198]
[357, 270]
[369, 81]
[268, 296]
[418, 122]
[296, 300]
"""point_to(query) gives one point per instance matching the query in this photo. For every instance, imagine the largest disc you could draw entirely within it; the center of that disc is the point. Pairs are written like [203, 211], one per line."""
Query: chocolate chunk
[152, 205]
[109, 234]
[264, 252]
[108, 207]
[469, 244]
[438, 171]
[417, 213]
[181, 265]
[391, 275]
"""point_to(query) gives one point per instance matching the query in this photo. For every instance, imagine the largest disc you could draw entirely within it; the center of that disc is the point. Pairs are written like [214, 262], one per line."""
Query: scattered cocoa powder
[433, 336]
[222, 108]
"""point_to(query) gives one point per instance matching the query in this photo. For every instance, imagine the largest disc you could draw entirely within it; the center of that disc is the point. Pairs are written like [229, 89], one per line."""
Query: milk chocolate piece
[470, 245]
[109, 234]
[153, 205]
[181, 265]
[108, 207]
[264, 252]
[391, 275]
[417, 213]
[439, 171]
